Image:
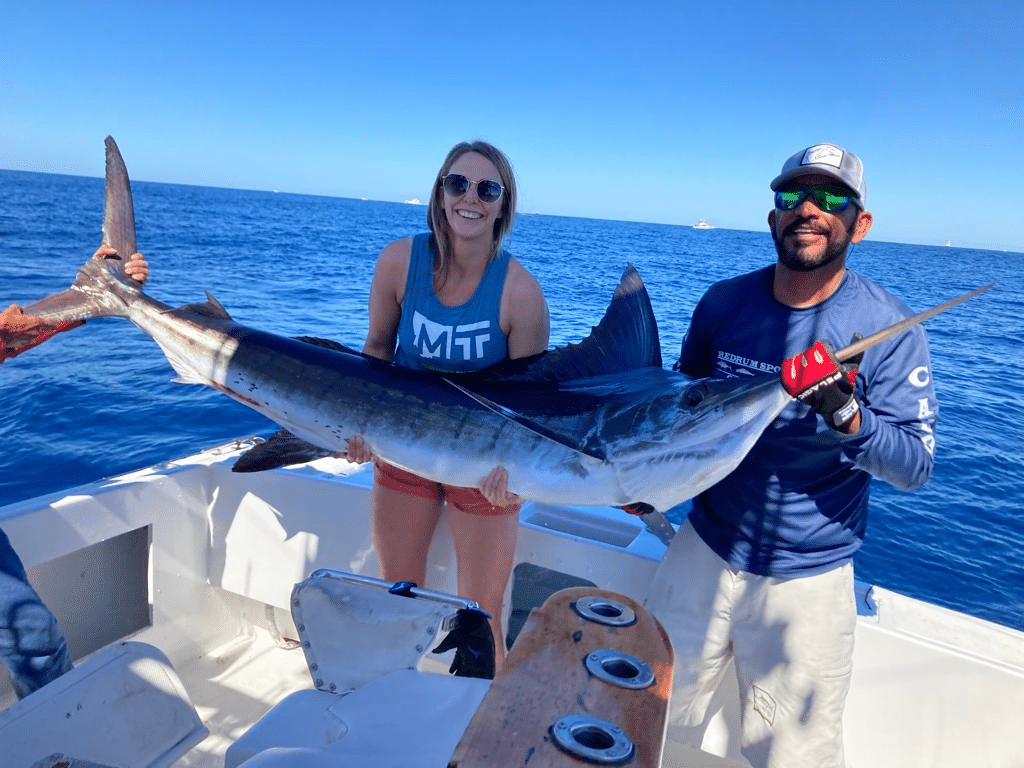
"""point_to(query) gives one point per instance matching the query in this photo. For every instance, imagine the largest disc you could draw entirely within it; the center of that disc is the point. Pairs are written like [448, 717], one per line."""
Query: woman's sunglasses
[456, 185]
[829, 199]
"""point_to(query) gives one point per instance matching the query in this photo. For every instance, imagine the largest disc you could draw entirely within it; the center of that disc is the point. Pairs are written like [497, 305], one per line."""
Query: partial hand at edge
[20, 332]
[135, 266]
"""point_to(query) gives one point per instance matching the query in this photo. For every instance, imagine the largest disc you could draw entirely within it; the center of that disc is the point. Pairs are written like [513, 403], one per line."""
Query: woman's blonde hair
[438, 221]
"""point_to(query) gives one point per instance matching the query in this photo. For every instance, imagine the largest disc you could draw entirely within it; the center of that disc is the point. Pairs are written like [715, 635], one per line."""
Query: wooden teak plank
[544, 678]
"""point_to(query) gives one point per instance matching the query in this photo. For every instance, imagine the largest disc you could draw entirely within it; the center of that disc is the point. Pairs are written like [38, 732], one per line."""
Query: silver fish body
[647, 435]
[596, 423]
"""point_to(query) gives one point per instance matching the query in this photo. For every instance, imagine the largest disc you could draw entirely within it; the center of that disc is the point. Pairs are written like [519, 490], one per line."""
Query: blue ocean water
[99, 401]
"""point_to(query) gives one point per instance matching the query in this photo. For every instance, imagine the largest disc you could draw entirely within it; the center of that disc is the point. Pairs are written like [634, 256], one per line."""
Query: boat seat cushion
[405, 719]
[125, 705]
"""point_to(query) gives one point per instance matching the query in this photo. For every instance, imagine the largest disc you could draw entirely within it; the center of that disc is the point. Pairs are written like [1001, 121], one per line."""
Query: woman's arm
[386, 294]
[524, 313]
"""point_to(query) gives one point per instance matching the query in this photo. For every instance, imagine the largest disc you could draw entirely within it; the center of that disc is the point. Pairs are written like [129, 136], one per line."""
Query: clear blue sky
[666, 111]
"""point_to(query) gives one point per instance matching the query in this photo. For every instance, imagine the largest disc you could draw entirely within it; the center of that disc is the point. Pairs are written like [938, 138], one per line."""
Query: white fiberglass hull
[199, 562]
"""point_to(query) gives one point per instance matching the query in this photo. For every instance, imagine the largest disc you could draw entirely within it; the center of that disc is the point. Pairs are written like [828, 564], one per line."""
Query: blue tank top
[450, 339]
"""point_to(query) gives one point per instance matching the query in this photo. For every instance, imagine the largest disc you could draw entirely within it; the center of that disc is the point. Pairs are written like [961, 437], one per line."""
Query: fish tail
[101, 288]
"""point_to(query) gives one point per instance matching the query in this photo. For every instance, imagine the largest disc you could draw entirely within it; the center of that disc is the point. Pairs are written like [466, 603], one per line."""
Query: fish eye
[694, 395]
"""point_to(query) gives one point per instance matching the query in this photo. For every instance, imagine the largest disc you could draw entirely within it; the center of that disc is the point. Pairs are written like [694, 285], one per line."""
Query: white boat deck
[199, 562]
[234, 686]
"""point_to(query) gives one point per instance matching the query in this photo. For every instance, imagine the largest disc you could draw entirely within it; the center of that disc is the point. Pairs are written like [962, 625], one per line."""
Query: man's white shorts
[792, 641]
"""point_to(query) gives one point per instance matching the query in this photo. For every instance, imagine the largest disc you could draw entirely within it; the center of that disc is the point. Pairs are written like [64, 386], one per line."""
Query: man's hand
[816, 378]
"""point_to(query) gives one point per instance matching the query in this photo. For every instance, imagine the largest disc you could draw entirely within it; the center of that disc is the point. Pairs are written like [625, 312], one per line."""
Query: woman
[454, 300]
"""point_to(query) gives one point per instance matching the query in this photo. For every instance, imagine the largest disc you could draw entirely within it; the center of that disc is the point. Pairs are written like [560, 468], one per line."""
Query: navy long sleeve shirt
[797, 505]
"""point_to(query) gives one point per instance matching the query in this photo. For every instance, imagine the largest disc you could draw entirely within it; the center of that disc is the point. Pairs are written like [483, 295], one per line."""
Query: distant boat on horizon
[414, 201]
[701, 224]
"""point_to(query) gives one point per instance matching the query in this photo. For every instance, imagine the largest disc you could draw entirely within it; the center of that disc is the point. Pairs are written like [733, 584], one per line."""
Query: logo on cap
[823, 154]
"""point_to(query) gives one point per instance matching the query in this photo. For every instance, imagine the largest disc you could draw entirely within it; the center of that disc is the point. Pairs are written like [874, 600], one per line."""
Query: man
[32, 644]
[762, 570]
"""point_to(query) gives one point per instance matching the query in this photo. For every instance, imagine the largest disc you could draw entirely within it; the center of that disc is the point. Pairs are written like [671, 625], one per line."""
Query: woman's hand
[494, 488]
[358, 451]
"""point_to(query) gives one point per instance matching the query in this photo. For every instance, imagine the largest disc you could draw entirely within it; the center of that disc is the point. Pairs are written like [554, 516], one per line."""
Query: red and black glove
[816, 378]
[19, 332]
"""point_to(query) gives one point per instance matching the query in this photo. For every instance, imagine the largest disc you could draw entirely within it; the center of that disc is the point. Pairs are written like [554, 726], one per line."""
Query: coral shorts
[468, 500]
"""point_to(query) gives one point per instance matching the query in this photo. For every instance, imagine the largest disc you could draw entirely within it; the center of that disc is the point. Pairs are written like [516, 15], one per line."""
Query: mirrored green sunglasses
[829, 199]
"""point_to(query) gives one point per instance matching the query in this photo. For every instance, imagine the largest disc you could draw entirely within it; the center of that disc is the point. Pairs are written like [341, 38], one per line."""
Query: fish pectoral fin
[530, 424]
[282, 449]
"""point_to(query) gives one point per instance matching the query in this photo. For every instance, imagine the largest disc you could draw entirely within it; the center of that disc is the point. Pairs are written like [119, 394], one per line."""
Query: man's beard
[833, 251]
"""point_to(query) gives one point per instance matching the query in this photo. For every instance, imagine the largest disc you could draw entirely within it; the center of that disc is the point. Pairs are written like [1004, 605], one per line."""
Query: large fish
[595, 423]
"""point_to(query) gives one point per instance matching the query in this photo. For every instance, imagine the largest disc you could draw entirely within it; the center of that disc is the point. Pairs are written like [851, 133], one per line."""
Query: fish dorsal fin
[625, 340]
[209, 308]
